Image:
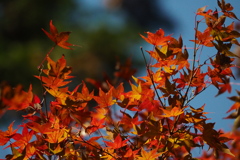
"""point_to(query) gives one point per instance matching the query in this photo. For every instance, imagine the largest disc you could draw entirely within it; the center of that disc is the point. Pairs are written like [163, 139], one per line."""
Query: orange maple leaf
[57, 73]
[118, 142]
[204, 38]
[85, 94]
[30, 151]
[58, 149]
[128, 122]
[136, 92]
[104, 99]
[57, 136]
[19, 100]
[41, 128]
[175, 111]
[58, 38]
[151, 155]
[157, 38]
[131, 153]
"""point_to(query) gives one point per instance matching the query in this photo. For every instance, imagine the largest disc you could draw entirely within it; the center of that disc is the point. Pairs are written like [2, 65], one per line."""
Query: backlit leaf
[118, 142]
[157, 38]
[175, 111]
[59, 39]
[151, 155]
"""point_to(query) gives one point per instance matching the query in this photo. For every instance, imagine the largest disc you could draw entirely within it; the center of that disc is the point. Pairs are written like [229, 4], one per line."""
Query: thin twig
[43, 93]
[46, 57]
[151, 77]
[100, 149]
[192, 74]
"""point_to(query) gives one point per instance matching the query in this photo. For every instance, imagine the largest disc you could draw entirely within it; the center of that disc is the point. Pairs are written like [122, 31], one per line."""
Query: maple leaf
[175, 111]
[58, 69]
[118, 142]
[16, 154]
[104, 99]
[125, 71]
[91, 143]
[214, 140]
[117, 92]
[99, 113]
[128, 121]
[59, 93]
[41, 128]
[182, 59]
[131, 153]
[80, 116]
[30, 151]
[58, 149]
[57, 73]
[151, 155]
[157, 38]
[57, 136]
[58, 38]
[176, 45]
[136, 92]
[201, 10]
[224, 87]
[17, 99]
[22, 139]
[236, 105]
[84, 95]
[35, 102]
[95, 125]
[5, 136]
[204, 38]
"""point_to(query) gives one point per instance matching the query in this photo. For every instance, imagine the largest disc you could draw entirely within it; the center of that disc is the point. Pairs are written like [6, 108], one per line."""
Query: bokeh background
[106, 30]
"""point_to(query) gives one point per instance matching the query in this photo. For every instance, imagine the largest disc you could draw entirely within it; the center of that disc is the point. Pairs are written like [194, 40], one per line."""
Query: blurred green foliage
[106, 31]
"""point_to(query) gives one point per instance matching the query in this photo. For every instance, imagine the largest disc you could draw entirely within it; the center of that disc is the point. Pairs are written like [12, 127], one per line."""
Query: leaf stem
[49, 52]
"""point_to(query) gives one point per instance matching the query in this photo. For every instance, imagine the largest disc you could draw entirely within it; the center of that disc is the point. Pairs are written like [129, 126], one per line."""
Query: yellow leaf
[151, 155]
[202, 9]
[58, 149]
[173, 113]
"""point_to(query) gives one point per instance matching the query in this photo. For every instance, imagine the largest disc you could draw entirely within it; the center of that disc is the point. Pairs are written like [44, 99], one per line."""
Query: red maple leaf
[21, 140]
[95, 125]
[58, 38]
[128, 122]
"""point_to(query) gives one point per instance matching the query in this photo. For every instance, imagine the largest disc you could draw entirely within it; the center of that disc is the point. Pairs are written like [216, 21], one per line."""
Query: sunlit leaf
[175, 111]
[157, 38]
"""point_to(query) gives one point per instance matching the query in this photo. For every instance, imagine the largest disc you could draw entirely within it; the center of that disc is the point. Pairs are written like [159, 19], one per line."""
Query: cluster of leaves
[154, 120]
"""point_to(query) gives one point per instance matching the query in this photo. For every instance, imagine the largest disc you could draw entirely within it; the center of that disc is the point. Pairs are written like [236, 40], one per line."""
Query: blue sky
[183, 12]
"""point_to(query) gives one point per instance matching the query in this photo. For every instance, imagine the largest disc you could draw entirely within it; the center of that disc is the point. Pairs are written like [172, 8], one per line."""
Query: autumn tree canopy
[155, 119]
